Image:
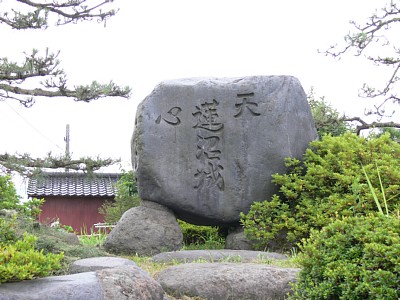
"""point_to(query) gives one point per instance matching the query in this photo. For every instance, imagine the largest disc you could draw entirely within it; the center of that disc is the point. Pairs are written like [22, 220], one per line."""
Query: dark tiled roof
[73, 184]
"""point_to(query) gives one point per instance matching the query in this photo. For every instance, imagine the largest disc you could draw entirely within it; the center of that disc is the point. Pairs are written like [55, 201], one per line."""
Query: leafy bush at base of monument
[267, 221]
[352, 258]
[20, 260]
[195, 236]
[329, 184]
[126, 198]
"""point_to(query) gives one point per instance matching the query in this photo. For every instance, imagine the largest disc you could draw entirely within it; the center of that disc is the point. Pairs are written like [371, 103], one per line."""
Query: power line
[33, 127]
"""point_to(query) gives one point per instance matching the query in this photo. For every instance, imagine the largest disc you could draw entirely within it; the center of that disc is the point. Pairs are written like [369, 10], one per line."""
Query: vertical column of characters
[208, 152]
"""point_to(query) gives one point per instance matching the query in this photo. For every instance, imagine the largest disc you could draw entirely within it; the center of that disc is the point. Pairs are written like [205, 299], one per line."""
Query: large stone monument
[206, 147]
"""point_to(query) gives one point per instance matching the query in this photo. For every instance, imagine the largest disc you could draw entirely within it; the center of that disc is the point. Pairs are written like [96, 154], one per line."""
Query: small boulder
[71, 239]
[145, 230]
[98, 263]
[236, 240]
[227, 281]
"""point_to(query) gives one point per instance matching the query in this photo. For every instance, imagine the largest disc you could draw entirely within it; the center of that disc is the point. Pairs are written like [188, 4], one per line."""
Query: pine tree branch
[25, 165]
[81, 93]
[364, 125]
[36, 92]
[83, 14]
[67, 11]
[365, 39]
[55, 84]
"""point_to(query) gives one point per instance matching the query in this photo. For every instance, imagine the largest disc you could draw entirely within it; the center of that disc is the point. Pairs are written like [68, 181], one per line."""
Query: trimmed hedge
[329, 184]
[352, 258]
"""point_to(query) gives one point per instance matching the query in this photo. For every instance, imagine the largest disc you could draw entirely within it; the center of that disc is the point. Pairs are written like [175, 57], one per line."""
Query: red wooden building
[73, 198]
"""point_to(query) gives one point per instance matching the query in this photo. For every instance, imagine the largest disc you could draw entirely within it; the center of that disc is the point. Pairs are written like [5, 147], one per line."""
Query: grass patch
[206, 245]
[94, 240]
[149, 266]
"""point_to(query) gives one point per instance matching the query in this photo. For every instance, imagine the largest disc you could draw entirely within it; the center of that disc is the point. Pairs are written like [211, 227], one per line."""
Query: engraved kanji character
[171, 117]
[246, 103]
[206, 114]
[207, 147]
[210, 176]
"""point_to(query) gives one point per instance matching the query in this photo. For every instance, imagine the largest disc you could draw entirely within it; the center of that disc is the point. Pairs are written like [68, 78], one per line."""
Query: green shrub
[329, 184]
[327, 119]
[126, 198]
[8, 194]
[7, 230]
[195, 237]
[32, 208]
[20, 260]
[352, 258]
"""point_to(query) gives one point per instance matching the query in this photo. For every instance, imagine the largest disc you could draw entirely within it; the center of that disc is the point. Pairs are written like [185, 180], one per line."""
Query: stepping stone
[98, 263]
[127, 282]
[227, 281]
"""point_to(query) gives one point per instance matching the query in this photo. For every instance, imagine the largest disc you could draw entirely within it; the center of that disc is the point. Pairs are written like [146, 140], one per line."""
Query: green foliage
[19, 257]
[57, 240]
[327, 119]
[393, 132]
[8, 194]
[29, 250]
[126, 198]
[196, 237]
[31, 208]
[352, 258]
[267, 221]
[93, 240]
[20, 261]
[329, 184]
[7, 230]
[96, 90]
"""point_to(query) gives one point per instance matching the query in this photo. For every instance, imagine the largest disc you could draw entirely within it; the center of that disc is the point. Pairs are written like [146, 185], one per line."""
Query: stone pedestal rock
[147, 230]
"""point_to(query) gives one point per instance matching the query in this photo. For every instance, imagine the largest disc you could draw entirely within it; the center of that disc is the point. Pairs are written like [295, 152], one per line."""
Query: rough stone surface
[243, 256]
[129, 283]
[146, 230]
[207, 147]
[227, 281]
[98, 263]
[71, 238]
[68, 287]
[237, 240]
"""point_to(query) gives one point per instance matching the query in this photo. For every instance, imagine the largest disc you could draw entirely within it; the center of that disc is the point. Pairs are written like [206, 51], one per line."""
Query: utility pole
[66, 139]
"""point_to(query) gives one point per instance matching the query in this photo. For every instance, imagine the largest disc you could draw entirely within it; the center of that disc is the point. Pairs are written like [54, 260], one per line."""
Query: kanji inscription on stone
[207, 147]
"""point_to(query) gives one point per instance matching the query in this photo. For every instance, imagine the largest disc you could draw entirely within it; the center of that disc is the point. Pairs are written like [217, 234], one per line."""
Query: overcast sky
[155, 40]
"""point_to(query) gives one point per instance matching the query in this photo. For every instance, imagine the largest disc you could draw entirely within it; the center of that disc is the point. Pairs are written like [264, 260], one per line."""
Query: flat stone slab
[227, 281]
[126, 282]
[68, 287]
[207, 147]
[98, 263]
[243, 256]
